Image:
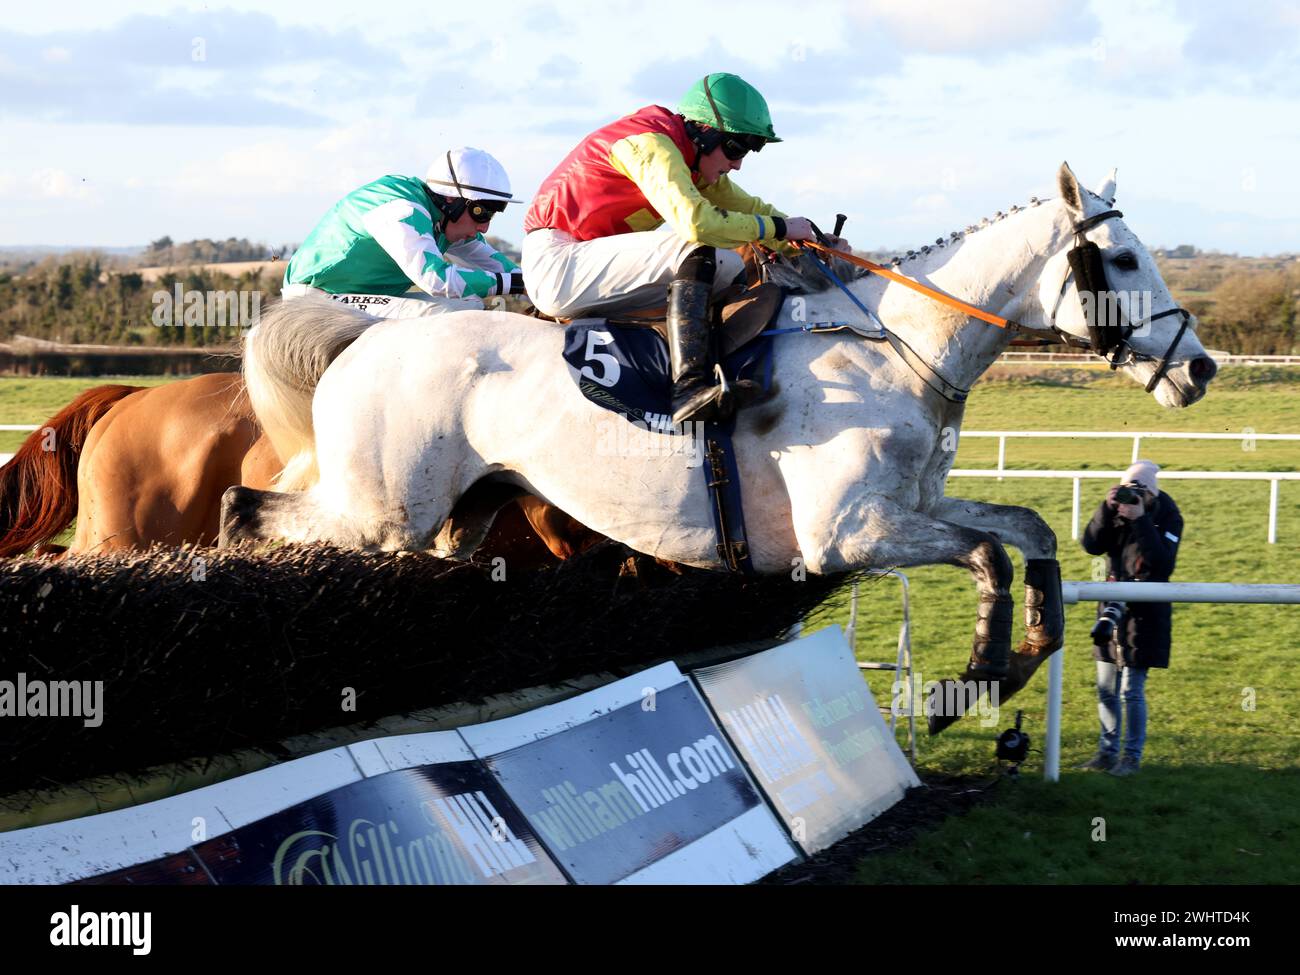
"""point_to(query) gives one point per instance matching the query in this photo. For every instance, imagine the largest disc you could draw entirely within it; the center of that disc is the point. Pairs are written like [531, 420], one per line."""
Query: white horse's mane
[812, 280]
[959, 235]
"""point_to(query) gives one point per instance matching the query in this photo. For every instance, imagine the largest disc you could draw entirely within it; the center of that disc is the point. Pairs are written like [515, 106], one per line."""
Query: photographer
[1138, 529]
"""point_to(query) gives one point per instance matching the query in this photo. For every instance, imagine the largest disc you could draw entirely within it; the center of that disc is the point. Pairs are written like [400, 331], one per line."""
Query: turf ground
[1218, 799]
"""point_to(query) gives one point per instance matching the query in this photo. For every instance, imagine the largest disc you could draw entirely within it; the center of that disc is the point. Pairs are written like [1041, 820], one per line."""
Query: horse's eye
[1126, 262]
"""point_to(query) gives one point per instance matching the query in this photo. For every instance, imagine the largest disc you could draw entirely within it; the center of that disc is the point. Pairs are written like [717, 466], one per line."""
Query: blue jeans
[1126, 685]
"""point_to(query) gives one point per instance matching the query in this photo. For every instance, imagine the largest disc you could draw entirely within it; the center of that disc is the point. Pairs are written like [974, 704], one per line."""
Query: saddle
[743, 311]
[621, 364]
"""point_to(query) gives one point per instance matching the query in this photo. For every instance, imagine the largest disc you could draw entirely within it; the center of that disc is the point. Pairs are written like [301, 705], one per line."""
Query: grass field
[1218, 799]
[30, 400]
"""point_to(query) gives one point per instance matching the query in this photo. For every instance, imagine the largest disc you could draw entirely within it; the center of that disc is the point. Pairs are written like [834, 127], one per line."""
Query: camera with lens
[1127, 494]
[1112, 612]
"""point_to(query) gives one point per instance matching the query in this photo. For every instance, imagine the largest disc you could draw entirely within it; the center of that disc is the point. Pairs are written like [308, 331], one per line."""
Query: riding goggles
[734, 146]
[480, 211]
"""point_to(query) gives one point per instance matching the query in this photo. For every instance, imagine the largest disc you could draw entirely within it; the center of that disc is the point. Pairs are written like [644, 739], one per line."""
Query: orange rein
[907, 282]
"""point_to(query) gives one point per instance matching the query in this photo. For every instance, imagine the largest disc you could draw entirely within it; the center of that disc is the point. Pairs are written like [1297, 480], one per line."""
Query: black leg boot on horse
[699, 392]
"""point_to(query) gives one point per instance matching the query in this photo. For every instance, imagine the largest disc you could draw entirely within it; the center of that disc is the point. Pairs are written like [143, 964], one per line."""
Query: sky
[127, 121]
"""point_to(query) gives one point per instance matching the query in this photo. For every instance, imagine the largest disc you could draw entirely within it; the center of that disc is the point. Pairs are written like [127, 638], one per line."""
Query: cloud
[931, 203]
[559, 67]
[220, 39]
[57, 184]
[326, 168]
[1246, 33]
[983, 27]
[184, 68]
[1248, 49]
[458, 83]
[793, 75]
[126, 101]
[567, 126]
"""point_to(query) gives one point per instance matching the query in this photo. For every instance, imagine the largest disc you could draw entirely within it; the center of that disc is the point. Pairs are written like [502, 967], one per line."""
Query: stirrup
[706, 406]
[726, 398]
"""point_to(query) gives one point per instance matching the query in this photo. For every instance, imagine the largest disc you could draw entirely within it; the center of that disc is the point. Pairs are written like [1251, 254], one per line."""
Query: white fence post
[1272, 512]
[1074, 512]
[1052, 749]
[851, 631]
[1002, 454]
[1143, 592]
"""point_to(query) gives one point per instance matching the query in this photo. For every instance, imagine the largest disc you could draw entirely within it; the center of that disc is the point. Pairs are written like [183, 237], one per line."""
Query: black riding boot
[696, 394]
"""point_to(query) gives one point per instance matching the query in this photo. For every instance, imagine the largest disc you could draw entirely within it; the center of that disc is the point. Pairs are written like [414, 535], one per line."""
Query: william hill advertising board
[648, 791]
[437, 824]
[809, 729]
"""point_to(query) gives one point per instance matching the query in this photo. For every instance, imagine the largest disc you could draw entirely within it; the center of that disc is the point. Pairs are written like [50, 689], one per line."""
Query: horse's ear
[1069, 188]
[1107, 188]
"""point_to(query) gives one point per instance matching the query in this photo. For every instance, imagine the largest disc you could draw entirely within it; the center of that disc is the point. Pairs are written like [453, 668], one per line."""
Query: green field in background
[1218, 799]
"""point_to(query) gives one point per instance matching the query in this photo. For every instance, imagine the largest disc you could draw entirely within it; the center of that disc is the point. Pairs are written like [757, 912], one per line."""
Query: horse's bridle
[1105, 338]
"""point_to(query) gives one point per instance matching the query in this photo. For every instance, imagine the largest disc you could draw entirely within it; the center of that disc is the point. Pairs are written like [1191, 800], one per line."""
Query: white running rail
[1142, 592]
[1247, 437]
[1273, 477]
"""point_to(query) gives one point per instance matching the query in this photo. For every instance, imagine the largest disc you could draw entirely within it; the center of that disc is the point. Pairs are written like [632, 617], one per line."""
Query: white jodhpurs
[413, 304]
[568, 278]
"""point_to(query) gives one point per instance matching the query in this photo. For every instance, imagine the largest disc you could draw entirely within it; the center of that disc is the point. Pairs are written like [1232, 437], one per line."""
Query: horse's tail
[284, 357]
[38, 488]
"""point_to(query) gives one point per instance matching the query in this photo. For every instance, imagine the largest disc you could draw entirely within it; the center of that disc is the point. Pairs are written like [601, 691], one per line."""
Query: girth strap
[723, 478]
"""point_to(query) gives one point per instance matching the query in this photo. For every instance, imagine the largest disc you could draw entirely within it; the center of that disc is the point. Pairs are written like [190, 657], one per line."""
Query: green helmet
[729, 103]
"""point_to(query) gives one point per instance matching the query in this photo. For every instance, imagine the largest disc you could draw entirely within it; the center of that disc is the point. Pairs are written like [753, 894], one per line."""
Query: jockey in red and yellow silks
[591, 247]
[638, 172]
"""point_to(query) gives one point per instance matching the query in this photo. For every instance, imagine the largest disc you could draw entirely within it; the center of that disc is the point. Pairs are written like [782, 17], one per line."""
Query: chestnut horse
[137, 466]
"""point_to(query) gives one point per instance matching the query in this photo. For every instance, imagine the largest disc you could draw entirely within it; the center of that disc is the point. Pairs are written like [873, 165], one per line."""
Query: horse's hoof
[950, 700]
[988, 669]
[989, 660]
[239, 516]
[938, 722]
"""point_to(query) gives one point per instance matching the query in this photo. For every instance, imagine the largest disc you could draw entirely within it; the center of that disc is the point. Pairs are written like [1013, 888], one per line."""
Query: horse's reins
[926, 372]
[1089, 272]
[933, 294]
[1085, 265]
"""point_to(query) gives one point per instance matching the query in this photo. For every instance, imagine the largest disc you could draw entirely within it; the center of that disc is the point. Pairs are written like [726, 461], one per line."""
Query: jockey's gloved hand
[516, 283]
[798, 228]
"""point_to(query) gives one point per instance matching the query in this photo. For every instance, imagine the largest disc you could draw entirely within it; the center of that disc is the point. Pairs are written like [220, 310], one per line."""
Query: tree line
[80, 301]
[1248, 306]
[1251, 307]
[164, 251]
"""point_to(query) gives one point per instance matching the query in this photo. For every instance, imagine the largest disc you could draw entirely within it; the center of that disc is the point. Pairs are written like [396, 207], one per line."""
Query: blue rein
[827, 326]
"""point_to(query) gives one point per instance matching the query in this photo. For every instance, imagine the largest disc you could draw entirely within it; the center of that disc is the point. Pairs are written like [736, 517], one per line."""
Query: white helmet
[470, 174]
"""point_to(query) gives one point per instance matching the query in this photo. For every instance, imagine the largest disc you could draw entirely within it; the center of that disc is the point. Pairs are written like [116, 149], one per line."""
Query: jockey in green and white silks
[400, 233]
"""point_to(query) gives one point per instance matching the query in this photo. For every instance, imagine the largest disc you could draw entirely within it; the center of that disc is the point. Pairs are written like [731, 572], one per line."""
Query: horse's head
[1106, 290]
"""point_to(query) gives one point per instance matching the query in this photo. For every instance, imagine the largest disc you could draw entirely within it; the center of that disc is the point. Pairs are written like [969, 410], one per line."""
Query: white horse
[843, 469]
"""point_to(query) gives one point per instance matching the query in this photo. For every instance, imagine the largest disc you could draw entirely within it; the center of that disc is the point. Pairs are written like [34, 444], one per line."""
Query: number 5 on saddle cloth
[625, 369]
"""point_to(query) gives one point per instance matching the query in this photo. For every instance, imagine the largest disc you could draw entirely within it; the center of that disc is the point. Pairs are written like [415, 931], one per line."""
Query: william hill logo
[476, 845]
